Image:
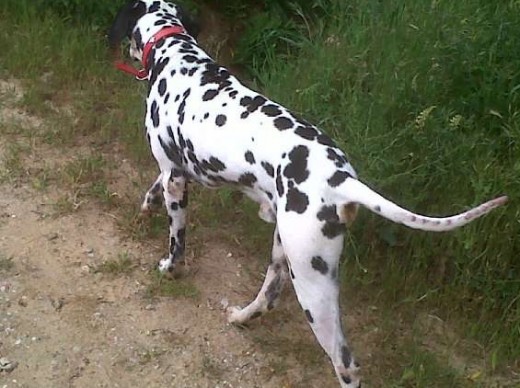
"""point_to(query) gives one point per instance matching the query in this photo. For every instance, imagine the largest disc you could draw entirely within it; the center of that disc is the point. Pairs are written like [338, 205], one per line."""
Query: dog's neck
[147, 30]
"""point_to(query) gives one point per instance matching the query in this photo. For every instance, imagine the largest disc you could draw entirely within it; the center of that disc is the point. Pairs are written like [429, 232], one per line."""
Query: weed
[123, 264]
[161, 285]
[66, 204]
[6, 263]
[12, 166]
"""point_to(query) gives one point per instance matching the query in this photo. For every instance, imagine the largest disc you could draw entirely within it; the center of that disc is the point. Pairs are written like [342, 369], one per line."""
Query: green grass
[6, 263]
[123, 264]
[163, 286]
[424, 97]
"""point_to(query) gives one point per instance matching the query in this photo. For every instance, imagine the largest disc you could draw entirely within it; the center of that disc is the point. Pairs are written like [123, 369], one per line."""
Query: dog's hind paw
[234, 315]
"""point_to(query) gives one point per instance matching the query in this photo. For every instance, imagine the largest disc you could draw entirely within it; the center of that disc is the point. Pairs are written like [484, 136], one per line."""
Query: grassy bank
[424, 98]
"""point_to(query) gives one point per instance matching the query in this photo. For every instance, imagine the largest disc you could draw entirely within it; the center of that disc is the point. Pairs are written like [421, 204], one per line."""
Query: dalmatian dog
[203, 125]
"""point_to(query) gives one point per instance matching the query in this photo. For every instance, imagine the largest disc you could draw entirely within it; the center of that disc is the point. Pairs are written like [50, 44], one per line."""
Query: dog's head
[139, 20]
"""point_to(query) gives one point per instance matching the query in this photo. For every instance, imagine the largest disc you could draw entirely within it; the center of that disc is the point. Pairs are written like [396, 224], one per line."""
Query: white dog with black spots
[203, 125]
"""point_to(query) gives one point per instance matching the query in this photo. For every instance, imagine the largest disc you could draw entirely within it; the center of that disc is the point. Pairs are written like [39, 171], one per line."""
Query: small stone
[52, 236]
[85, 269]
[4, 287]
[6, 365]
[57, 304]
[23, 301]
[149, 307]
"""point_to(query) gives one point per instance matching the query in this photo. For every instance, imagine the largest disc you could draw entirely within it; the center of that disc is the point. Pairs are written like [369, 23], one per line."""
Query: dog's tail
[357, 192]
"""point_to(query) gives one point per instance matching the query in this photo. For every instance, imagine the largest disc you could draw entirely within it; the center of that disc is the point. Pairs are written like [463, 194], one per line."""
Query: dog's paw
[145, 211]
[234, 314]
[165, 265]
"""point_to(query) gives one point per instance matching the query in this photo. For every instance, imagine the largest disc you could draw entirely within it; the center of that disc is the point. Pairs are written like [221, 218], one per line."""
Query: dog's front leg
[175, 191]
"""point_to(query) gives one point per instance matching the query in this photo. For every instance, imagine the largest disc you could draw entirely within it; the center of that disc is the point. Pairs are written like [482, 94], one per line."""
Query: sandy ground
[64, 323]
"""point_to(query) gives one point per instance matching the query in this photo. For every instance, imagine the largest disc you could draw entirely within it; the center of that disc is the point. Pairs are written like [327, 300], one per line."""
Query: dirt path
[68, 320]
[66, 325]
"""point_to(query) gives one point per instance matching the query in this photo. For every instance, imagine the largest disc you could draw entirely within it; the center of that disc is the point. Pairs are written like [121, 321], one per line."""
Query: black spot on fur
[346, 358]
[338, 178]
[166, 98]
[292, 274]
[269, 169]
[172, 245]
[247, 179]
[210, 95]
[328, 213]
[325, 140]
[250, 158]
[319, 265]
[189, 58]
[154, 113]
[283, 123]
[279, 183]
[296, 201]
[155, 6]
[214, 74]
[182, 105]
[378, 209]
[309, 316]
[181, 243]
[332, 229]
[339, 160]
[157, 68]
[273, 290]
[183, 203]
[297, 168]
[346, 379]
[220, 120]
[171, 150]
[217, 164]
[271, 110]
[162, 87]
[308, 133]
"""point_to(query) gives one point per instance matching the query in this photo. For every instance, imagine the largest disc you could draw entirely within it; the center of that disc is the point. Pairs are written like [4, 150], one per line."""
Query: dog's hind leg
[274, 281]
[313, 253]
[153, 198]
[175, 191]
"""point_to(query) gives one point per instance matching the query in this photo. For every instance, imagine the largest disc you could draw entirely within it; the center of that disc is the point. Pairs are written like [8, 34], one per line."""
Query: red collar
[142, 74]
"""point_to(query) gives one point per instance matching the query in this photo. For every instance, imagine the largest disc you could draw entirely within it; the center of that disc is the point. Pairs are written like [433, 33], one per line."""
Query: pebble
[6, 365]
[53, 236]
[23, 301]
[57, 304]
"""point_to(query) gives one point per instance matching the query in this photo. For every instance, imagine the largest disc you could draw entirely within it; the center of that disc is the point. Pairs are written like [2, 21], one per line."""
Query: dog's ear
[125, 22]
[188, 21]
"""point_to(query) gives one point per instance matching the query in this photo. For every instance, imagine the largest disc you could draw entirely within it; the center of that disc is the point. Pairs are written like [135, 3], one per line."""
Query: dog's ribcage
[203, 121]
